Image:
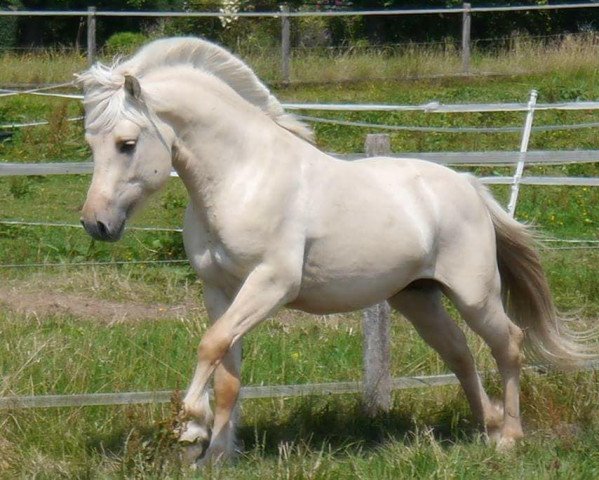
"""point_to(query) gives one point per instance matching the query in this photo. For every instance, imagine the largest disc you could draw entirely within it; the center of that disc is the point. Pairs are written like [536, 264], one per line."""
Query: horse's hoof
[210, 457]
[505, 444]
[217, 455]
[493, 435]
[193, 432]
[194, 440]
[193, 454]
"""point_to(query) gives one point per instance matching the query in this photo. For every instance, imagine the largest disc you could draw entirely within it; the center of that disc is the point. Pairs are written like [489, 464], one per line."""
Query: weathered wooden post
[375, 323]
[91, 35]
[377, 144]
[466, 22]
[285, 43]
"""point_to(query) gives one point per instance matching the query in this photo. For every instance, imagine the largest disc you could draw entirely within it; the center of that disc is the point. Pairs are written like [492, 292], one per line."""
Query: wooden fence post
[377, 144]
[285, 43]
[466, 23]
[375, 323]
[91, 35]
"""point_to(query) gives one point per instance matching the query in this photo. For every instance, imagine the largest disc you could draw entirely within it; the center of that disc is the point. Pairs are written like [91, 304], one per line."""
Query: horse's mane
[102, 83]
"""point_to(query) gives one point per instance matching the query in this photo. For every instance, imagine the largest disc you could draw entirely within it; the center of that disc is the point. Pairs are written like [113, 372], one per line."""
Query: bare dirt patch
[41, 304]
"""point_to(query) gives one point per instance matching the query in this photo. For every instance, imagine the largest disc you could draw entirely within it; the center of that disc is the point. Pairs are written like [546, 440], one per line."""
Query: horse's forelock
[105, 99]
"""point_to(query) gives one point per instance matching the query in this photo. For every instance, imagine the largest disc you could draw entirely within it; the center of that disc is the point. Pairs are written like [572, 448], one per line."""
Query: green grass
[428, 433]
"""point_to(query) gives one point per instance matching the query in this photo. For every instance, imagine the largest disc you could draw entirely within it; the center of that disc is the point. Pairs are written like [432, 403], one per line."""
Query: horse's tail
[526, 295]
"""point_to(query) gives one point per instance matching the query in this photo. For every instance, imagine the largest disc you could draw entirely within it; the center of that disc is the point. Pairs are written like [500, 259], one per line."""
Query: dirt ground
[42, 303]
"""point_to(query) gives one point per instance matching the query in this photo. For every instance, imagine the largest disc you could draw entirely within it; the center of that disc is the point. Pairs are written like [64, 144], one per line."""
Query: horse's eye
[127, 146]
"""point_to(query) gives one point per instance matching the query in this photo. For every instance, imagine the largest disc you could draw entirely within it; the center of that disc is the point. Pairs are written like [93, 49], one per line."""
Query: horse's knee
[511, 354]
[500, 333]
[517, 335]
[213, 347]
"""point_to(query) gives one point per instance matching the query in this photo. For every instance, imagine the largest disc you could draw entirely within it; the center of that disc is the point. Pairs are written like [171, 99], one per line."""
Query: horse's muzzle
[102, 230]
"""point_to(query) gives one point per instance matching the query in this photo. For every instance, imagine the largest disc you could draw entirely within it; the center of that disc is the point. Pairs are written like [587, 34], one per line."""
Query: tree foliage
[57, 31]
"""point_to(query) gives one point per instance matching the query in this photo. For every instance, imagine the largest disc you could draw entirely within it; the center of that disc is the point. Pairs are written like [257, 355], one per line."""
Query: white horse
[275, 222]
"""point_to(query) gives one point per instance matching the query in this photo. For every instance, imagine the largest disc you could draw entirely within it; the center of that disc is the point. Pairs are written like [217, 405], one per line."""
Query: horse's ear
[132, 86]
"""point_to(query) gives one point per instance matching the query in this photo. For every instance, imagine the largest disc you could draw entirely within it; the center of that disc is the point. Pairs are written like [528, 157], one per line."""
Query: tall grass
[40, 67]
[520, 55]
[567, 54]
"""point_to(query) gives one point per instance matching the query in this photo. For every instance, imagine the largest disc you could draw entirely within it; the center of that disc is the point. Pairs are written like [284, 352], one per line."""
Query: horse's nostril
[102, 229]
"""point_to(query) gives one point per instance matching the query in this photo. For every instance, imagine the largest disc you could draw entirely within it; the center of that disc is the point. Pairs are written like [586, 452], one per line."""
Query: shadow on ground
[345, 426]
[338, 424]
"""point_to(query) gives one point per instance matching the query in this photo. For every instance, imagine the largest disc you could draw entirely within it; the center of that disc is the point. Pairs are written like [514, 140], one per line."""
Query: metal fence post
[466, 22]
[523, 149]
[285, 43]
[91, 35]
[375, 322]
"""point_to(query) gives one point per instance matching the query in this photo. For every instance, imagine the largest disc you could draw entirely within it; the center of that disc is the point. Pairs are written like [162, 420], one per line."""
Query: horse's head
[131, 148]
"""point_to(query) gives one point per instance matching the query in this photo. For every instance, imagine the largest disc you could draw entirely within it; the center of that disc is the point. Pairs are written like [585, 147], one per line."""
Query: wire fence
[430, 107]
[370, 383]
[467, 8]
[93, 264]
[377, 126]
[412, 128]
[446, 158]
[90, 16]
[505, 41]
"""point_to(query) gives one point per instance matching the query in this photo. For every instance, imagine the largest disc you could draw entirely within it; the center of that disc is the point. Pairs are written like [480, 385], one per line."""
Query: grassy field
[428, 433]
[524, 55]
[48, 346]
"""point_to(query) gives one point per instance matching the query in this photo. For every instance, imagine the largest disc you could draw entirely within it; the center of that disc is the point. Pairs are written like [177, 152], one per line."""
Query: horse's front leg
[263, 292]
[210, 441]
[196, 433]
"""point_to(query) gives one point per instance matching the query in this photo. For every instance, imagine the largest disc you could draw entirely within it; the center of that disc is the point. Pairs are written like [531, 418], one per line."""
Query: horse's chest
[224, 261]
[221, 257]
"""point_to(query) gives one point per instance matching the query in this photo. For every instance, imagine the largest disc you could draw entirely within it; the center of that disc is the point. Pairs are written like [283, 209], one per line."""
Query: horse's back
[419, 196]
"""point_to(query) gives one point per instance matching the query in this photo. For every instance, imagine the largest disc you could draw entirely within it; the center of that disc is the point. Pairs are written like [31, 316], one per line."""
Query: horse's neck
[218, 136]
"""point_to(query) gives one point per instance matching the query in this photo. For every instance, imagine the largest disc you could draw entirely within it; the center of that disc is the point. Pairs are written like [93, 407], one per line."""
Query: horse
[274, 222]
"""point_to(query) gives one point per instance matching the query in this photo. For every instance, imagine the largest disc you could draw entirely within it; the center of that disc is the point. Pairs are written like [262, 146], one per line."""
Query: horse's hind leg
[423, 307]
[482, 308]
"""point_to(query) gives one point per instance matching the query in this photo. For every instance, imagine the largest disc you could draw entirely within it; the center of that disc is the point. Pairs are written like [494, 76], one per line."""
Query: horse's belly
[330, 299]
[352, 283]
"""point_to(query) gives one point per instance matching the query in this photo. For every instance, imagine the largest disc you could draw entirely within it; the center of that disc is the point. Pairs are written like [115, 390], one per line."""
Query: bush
[124, 43]
[9, 25]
